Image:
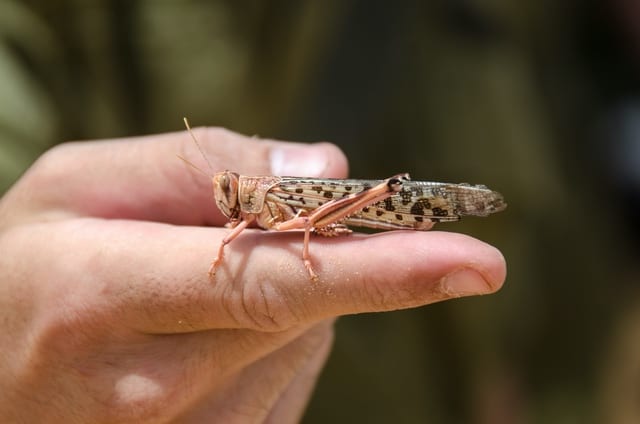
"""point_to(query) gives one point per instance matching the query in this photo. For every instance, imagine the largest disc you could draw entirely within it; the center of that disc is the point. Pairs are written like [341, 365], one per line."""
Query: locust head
[225, 191]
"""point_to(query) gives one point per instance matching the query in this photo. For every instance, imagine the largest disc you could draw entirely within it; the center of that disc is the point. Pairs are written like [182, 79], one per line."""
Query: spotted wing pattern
[422, 203]
[417, 206]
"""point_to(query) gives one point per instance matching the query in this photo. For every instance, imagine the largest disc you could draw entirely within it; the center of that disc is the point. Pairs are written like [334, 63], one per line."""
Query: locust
[328, 207]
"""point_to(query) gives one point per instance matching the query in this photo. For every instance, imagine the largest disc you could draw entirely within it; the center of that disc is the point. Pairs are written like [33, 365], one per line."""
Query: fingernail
[464, 282]
[299, 160]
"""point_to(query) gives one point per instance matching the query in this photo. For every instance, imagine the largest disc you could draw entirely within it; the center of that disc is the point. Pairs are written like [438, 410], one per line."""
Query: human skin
[107, 311]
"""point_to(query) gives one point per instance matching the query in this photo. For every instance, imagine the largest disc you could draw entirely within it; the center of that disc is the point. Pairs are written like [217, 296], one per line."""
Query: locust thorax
[225, 191]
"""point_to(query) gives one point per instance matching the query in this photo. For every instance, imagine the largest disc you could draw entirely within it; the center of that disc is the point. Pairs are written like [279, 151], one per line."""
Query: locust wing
[417, 206]
[422, 203]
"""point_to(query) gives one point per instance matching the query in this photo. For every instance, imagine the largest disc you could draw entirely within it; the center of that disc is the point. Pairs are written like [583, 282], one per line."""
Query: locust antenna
[195, 140]
[191, 164]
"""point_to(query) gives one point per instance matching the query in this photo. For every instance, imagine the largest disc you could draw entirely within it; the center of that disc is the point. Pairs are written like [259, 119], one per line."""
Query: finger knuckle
[260, 305]
[52, 166]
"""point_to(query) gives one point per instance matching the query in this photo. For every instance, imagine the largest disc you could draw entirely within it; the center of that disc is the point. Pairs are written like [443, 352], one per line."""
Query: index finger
[156, 275]
[263, 284]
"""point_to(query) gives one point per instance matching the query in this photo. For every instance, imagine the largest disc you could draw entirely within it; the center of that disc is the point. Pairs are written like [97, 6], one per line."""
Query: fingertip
[409, 269]
[495, 270]
[470, 266]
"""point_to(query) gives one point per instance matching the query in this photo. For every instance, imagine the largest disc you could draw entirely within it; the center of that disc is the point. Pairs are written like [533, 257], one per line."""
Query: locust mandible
[328, 206]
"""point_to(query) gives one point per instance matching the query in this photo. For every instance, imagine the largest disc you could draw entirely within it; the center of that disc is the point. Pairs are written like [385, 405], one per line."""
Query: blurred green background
[538, 99]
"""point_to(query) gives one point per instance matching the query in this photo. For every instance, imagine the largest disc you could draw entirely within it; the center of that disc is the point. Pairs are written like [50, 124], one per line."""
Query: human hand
[108, 313]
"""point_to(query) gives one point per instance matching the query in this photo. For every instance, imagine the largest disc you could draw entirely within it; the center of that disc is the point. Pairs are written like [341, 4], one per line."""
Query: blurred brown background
[537, 99]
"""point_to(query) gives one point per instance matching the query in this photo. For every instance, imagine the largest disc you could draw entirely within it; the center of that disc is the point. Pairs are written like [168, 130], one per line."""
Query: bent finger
[142, 178]
[277, 384]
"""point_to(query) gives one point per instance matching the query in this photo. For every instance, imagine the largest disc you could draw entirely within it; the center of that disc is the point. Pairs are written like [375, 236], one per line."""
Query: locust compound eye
[225, 190]
[224, 183]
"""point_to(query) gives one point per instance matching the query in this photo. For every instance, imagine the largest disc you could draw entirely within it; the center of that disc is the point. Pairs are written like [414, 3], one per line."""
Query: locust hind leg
[329, 214]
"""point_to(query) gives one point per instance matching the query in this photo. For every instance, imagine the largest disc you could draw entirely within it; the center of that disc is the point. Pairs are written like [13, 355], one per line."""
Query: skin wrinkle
[234, 293]
[265, 303]
[243, 301]
[249, 289]
[228, 304]
[258, 408]
[283, 315]
[265, 316]
[255, 304]
[292, 307]
[376, 297]
[392, 296]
